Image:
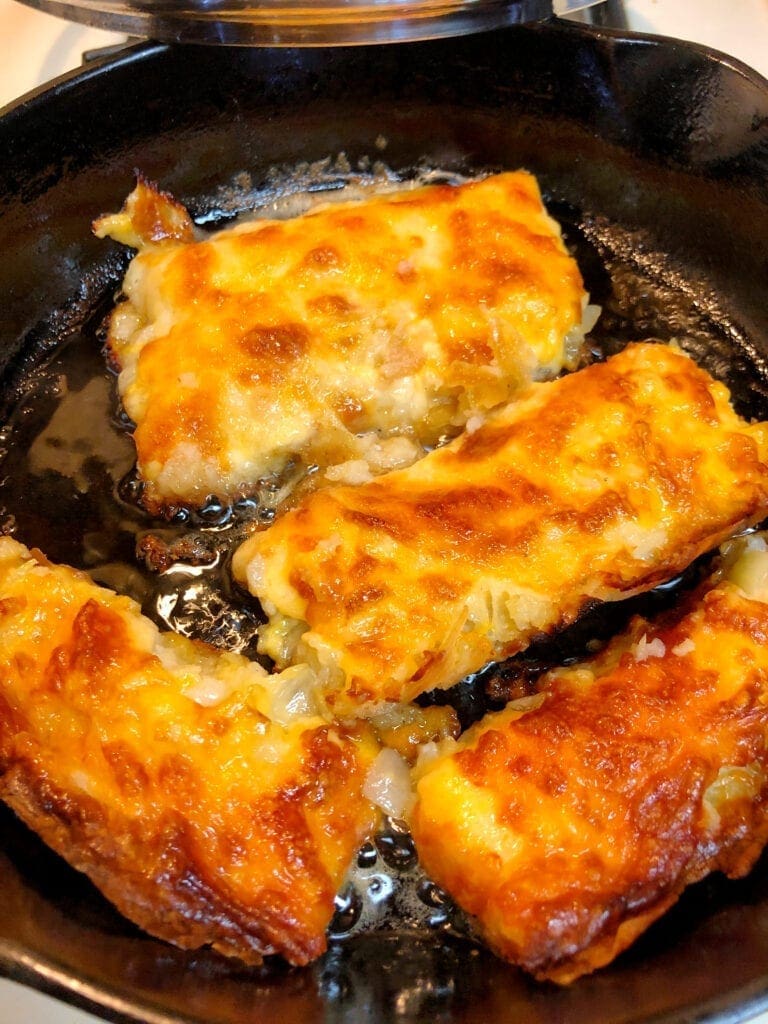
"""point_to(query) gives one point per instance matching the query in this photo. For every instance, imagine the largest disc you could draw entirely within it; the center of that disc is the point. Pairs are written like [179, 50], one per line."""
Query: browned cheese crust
[149, 762]
[569, 828]
[597, 485]
[358, 331]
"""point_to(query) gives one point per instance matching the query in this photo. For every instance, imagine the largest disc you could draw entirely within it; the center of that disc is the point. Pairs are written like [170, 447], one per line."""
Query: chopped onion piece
[684, 647]
[208, 691]
[474, 423]
[355, 471]
[646, 648]
[294, 696]
[388, 784]
[750, 570]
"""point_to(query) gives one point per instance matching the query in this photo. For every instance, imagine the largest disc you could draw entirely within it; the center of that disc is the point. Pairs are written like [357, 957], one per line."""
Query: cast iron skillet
[655, 156]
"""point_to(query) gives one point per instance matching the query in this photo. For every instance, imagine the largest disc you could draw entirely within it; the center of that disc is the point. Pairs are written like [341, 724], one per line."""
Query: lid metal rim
[279, 23]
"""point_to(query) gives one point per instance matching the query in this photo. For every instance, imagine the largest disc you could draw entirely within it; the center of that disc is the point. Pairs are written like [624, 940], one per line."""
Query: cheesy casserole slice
[570, 821]
[208, 801]
[589, 488]
[356, 333]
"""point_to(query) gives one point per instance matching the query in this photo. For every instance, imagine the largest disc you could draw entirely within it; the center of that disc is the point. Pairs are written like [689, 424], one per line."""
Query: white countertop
[38, 47]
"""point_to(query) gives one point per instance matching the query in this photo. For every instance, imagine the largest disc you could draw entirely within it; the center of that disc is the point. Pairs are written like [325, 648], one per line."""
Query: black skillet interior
[655, 157]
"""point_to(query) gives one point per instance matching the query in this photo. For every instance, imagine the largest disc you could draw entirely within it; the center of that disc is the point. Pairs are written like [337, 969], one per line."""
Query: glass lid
[302, 23]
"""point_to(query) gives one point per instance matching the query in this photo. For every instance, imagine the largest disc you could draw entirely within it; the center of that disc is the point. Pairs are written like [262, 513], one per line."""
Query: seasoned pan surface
[654, 155]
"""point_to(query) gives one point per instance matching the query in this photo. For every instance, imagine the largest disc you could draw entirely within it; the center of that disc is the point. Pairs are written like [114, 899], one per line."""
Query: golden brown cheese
[356, 333]
[594, 486]
[569, 827]
[173, 774]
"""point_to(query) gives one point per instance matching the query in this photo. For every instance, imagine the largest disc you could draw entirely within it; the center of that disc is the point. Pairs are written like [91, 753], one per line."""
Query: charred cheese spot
[158, 766]
[129, 772]
[569, 826]
[270, 352]
[591, 487]
[417, 309]
[348, 410]
[12, 606]
[331, 305]
[471, 349]
[323, 257]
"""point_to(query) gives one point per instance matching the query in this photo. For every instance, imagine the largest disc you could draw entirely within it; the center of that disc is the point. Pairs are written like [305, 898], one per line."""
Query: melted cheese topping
[597, 485]
[318, 337]
[206, 799]
[569, 827]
